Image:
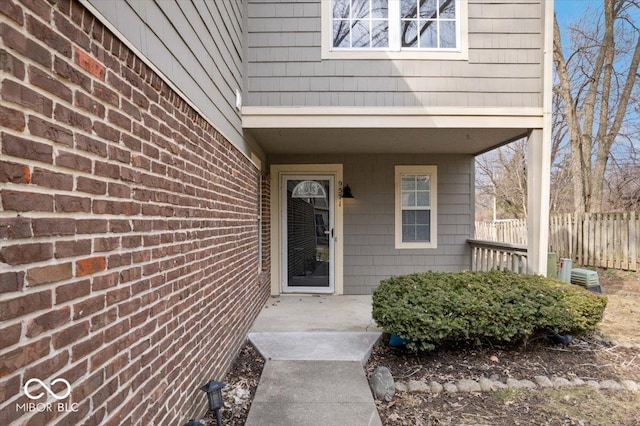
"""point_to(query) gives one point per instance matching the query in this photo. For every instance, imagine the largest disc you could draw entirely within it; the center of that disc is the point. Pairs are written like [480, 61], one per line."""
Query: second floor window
[395, 24]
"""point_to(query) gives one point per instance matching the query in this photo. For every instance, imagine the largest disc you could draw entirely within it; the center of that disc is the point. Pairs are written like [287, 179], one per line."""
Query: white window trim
[423, 170]
[459, 54]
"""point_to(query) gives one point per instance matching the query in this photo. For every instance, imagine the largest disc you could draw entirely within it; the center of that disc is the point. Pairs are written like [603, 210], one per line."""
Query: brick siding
[128, 231]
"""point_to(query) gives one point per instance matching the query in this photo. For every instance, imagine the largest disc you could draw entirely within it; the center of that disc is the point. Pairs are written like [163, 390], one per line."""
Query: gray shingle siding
[369, 219]
[198, 45]
[504, 67]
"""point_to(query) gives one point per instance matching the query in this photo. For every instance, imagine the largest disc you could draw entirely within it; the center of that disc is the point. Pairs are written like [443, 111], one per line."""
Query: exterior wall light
[214, 396]
[346, 193]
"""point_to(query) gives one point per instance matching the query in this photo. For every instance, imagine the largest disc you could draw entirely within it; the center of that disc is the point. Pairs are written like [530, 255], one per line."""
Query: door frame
[284, 257]
[277, 254]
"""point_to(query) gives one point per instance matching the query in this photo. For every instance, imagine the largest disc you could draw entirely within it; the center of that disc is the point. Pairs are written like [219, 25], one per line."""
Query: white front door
[308, 233]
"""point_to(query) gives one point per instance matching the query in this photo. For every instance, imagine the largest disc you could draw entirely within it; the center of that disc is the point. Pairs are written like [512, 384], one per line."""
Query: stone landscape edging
[488, 385]
[384, 386]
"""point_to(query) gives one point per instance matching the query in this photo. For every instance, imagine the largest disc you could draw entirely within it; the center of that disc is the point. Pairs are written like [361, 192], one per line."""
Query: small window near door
[416, 206]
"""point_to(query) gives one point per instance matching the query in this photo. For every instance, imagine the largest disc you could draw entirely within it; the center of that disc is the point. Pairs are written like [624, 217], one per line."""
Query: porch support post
[538, 188]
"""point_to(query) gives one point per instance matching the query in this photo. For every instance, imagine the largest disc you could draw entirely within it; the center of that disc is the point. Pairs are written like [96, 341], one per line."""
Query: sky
[568, 10]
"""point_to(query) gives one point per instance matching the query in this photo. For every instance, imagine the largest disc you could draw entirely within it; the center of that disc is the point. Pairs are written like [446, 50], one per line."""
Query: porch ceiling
[383, 140]
[405, 130]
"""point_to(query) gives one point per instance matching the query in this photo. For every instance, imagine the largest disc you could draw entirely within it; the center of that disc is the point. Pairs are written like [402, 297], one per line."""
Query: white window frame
[394, 51]
[432, 171]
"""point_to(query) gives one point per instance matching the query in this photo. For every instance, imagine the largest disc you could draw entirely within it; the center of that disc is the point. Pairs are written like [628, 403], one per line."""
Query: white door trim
[277, 171]
[284, 256]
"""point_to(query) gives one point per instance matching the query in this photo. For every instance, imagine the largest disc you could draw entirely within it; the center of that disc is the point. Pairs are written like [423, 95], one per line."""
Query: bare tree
[622, 183]
[561, 193]
[499, 176]
[597, 81]
[502, 176]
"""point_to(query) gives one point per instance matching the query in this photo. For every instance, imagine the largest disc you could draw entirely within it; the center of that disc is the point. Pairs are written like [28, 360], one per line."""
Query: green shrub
[428, 309]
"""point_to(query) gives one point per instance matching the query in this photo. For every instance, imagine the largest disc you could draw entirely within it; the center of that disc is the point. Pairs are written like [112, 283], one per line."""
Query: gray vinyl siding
[284, 65]
[197, 44]
[369, 219]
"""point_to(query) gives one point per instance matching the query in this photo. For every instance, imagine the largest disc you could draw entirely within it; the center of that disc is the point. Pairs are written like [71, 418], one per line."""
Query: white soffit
[387, 140]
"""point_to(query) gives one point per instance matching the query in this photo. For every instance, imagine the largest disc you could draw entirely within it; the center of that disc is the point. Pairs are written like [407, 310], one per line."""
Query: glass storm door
[308, 240]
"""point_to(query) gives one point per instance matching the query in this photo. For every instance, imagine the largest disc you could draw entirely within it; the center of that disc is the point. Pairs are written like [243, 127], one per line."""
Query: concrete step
[315, 346]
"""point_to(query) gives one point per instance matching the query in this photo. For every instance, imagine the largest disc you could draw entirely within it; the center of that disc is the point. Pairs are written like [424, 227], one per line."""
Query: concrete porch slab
[315, 346]
[301, 393]
[316, 313]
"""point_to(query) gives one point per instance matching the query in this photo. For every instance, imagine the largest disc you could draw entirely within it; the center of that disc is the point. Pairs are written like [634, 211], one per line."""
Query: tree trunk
[575, 136]
[609, 128]
[598, 88]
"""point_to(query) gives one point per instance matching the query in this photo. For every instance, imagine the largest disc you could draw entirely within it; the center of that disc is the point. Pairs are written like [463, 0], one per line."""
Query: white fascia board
[394, 117]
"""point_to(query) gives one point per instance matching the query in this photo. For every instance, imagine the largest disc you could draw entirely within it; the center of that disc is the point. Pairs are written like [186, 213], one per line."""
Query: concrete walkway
[315, 348]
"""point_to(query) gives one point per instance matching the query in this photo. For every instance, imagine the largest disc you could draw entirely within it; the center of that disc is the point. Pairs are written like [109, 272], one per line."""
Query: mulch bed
[242, 382]
[586, 358]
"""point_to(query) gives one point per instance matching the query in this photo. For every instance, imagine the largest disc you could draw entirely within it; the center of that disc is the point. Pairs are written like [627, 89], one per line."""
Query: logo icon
[50, 391]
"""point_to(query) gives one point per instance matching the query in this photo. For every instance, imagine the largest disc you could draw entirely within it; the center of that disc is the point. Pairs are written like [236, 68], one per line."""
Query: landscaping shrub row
[433, 308]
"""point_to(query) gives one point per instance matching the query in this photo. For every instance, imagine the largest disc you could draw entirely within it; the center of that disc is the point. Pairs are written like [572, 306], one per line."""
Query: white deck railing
[492, 255]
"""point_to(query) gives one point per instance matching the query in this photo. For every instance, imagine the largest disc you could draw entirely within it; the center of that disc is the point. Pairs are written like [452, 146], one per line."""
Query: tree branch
[626, 91]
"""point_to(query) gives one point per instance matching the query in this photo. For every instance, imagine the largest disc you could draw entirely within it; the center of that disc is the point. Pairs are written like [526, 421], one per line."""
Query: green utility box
[587, 279]
[564, 273]
[552, 265]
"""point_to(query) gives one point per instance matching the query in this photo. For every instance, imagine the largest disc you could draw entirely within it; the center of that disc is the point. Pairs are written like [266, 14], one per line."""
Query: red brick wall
[128, 229]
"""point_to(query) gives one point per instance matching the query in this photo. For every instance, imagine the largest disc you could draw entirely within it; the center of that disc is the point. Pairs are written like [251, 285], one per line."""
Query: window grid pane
[429, 9]
[416, 226]
[447, 10]
[380, 9]
[430, 25]
[424, 24]
[429, 34]
[360, 24]
[447, 37]
[415, 191]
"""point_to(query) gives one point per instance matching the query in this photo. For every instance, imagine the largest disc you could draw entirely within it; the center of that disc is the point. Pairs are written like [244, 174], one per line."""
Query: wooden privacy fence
[608, 240]
[512, 231]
